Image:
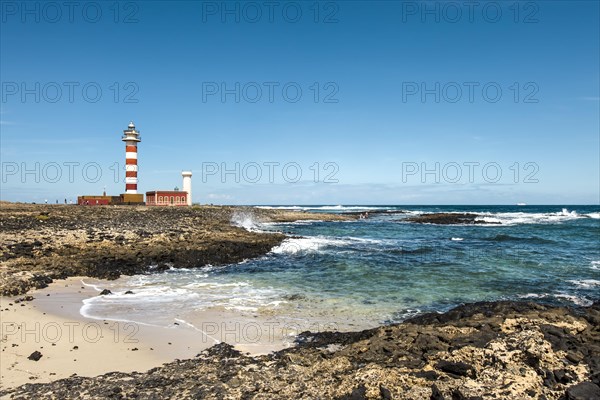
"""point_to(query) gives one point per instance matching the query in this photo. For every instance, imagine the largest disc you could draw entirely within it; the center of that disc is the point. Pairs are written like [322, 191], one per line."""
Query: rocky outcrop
[446, 219]
[502, 350]
[40, 243]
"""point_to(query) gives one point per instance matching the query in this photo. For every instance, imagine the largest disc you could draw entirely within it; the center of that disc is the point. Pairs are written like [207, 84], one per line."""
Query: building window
[172, 200]
[160, 199]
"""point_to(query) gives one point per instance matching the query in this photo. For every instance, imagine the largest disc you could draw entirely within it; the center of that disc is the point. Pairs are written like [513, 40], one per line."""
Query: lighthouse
[131, 137]
[187, 185]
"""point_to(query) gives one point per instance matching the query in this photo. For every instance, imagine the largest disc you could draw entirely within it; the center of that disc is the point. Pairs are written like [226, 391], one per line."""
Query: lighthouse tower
[187, 185]
[131, 137]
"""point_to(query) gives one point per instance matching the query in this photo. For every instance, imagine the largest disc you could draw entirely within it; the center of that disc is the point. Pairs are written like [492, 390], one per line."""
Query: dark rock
[574, 356]
[583, 391]
[595, 378]
[105, 292]
[26, 298]
[295, 296]
[223, 350]
[428, 375]
[530, 392]
[532, 360]
[436, 394]
[35, 356]
[129, 292]
[358, 393]
[457, 395]
[549, 379]
[40, 281]
[562, 376]
[456, 369]
[385, 393]
[446, 219]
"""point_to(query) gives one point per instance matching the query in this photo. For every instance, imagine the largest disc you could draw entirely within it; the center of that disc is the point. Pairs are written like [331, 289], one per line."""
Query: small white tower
[187, 185]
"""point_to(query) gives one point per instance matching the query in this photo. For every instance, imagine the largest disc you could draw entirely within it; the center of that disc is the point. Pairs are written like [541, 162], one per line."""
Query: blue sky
[387, 108]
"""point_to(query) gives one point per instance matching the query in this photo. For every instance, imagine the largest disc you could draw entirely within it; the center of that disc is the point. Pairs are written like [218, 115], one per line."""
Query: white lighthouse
[187, 185]
[131, 137]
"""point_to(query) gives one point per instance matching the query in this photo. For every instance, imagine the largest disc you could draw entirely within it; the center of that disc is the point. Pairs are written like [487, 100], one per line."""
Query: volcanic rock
[35, 356]
[446, 219]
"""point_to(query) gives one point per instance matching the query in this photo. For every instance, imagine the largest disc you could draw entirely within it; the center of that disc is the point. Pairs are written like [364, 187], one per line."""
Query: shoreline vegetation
[508, 350]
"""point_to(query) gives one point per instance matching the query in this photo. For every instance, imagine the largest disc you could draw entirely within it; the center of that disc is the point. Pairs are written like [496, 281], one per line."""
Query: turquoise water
[384, 269]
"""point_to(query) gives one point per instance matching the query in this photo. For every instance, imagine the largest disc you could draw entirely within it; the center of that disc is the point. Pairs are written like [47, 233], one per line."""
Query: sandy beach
[70, 343]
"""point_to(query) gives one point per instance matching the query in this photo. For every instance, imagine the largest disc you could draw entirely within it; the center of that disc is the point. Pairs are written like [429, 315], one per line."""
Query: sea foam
[246, 220]
[514, 218]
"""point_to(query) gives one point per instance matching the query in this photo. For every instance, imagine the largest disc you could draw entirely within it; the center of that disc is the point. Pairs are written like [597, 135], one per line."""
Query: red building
[166, 198]
[95, 200]
[104, 200]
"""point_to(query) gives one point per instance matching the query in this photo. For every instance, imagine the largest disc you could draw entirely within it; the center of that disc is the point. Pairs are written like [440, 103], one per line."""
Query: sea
[379, 270]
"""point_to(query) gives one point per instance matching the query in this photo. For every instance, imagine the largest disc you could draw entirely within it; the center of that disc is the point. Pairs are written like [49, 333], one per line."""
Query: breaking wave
[315, 244]
[246, 220]
[514, 218]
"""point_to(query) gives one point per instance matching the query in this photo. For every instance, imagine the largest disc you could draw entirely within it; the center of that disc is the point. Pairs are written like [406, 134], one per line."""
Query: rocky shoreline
[447, 219]
[501, 350]
[45, 242]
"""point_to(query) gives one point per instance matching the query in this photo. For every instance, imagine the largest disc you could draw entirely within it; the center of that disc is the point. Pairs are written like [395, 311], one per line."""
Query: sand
[73, 344]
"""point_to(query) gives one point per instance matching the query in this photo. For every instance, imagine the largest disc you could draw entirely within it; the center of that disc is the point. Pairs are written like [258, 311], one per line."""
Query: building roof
[93, 196]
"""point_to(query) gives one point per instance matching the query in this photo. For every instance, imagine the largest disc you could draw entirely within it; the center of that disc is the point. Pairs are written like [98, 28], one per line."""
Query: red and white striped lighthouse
[131, 137]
